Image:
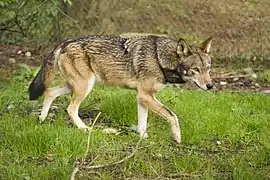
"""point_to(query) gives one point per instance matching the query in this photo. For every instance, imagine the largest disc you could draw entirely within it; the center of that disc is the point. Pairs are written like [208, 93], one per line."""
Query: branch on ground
[211, 150]
[183, 175]
[117, 162]
[77, 168]
[81, 165]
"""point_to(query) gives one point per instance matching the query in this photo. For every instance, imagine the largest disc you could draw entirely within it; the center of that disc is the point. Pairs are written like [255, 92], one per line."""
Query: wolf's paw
[41, 119]
[143, 135]
[84, 128]
[177, 138]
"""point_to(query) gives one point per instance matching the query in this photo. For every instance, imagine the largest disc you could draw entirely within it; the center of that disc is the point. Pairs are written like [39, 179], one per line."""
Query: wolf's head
[196, 63]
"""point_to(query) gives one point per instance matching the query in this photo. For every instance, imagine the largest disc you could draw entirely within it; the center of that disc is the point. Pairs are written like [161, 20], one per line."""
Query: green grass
[240, 121]
[264, 76]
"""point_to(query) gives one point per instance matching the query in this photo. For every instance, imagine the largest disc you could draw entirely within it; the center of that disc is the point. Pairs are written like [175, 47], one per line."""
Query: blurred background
[241, 28]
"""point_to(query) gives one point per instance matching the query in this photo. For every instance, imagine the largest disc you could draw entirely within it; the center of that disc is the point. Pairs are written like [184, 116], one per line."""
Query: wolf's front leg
[142, 119]
[149, 100]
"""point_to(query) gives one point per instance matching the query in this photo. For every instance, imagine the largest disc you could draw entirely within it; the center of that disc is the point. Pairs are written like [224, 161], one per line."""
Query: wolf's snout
[209, 86]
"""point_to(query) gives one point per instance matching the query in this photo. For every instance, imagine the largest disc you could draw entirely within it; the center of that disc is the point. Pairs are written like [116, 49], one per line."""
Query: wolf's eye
[196, 69]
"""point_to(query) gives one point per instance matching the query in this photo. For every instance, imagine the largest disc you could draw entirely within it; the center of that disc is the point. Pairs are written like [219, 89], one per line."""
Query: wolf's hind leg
[81, 89]
[50, 95]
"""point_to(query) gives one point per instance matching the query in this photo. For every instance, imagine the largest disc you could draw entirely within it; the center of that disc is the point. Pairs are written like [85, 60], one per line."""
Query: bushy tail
[37, 86]
[44, 76]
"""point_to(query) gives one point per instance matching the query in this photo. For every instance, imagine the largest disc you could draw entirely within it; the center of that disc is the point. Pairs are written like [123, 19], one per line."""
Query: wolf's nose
[209, 86]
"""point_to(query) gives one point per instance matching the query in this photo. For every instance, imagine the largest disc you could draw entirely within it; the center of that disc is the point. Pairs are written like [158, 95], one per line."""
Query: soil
[242, 84]
[11, 56]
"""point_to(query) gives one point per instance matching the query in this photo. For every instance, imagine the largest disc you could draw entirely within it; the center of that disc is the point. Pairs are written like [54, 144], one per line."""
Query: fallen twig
[89, 136]
[183, 174]
[77, 168]
[82, 165]
[117, 162]
[74, 172]
[211, 150]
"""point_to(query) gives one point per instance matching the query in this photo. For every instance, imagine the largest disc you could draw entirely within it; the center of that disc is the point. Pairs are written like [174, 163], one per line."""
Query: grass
[240, 121]
[264, 76]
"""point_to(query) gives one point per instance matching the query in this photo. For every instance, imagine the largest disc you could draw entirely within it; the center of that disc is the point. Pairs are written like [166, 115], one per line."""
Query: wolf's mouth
[199, 86]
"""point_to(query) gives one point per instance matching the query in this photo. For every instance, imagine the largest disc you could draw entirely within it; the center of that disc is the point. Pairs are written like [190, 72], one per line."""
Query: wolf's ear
[206, 45]
[182, 48]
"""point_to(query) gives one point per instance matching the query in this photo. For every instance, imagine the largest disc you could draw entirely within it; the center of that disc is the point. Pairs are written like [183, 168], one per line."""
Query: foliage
[24, 74]
[28, 20]
[264, 76]
[4, 3]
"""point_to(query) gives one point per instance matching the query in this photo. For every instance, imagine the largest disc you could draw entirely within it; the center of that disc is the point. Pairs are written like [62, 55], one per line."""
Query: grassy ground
[240, 121]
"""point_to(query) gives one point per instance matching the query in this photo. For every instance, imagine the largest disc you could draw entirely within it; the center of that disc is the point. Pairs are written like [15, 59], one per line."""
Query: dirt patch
[240, 84]
[13, 55]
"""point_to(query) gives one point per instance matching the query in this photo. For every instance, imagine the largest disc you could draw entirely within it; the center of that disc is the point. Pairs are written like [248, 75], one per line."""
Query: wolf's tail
[44, 77]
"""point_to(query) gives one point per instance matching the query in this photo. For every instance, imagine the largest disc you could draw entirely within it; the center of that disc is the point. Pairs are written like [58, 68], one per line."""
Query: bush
[24, 20]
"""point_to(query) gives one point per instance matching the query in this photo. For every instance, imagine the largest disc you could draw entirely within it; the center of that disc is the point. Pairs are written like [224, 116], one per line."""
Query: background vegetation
[241, 28]
[225, 132]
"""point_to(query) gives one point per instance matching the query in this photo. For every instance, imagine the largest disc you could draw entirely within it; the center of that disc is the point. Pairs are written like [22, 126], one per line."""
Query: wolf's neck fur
[166, 53]
[173, 76]
[168, 61]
